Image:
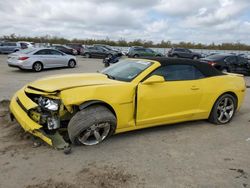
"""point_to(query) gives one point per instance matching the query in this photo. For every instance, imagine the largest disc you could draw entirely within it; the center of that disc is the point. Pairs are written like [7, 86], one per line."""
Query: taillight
[212, 63]
[23, 58]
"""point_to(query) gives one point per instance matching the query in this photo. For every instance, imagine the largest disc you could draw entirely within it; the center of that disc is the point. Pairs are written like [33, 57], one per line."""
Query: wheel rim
[95, 134]
[225, 110]
[87, 55]
[71, 63]
[38, 67]
[110, 56]
[195, 57]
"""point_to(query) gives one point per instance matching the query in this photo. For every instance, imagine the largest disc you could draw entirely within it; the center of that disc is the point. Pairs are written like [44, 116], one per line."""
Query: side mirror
[154, 79]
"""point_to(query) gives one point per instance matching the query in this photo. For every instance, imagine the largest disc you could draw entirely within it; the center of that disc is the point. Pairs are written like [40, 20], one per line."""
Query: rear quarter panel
[214, 87]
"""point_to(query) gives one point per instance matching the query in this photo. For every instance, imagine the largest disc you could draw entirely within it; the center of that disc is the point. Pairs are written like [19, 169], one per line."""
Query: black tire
[87, 117]
[195, 57]
[87, 55]
[106, 64]
[72, 63]
[136, 56]
[213, 117]
[37, 67]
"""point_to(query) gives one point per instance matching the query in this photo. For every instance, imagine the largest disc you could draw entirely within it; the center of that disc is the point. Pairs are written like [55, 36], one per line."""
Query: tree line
[125, 43]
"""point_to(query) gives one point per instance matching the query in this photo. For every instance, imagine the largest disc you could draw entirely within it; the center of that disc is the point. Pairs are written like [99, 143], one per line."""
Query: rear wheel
[223, 109]
[37, 67]
[71, 63]
[175, 56]
[91, 125]
[195, 57]
[136, 56]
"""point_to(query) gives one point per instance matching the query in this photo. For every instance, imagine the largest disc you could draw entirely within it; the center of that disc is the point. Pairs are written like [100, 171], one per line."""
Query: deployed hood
[62, 82]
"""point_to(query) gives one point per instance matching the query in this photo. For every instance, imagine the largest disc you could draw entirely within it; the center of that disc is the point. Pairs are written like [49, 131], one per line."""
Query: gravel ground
[193, 154]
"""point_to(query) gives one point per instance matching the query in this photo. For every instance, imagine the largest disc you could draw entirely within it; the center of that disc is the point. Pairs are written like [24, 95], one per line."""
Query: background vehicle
[99, 52]
[39, 59]
[229, 63]
[143, 52]
[183, 53]
[9, 47]
[94, 106]
[65, 49]
[110, 48]
[78, 47]
[111, 60]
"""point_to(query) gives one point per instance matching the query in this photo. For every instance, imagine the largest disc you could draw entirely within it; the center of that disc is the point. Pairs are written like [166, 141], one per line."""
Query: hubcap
[95, 134]
[37, 67]
[225, 110]
[71, 63]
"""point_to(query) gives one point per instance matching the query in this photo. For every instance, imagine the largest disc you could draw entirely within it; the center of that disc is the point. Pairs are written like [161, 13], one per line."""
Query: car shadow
[162, 128]
[44, 70]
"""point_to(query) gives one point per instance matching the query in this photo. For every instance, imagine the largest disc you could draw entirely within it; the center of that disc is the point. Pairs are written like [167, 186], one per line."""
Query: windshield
[126, 70]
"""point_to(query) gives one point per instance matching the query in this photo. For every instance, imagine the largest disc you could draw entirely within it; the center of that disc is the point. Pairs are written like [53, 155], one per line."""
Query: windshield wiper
[109, 76]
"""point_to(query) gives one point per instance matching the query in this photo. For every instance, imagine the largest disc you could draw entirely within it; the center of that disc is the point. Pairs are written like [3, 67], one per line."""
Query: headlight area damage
[43, 115]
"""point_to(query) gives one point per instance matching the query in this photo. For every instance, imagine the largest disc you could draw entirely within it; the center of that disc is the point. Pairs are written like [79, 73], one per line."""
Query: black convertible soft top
[205, 68]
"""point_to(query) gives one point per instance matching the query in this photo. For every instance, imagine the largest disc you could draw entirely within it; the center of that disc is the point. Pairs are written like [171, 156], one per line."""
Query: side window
[149, 51]
[42, 52]
[54, 52]
[242, 60]
[178, 72]
[230, 59]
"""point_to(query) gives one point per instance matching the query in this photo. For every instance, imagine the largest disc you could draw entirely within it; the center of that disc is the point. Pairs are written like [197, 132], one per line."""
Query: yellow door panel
[165, 102]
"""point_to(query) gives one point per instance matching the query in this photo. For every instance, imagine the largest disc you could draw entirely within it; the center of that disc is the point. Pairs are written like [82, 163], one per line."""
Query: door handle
[194, 88]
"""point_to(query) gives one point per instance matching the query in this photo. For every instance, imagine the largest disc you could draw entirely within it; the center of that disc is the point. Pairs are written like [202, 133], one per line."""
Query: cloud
[156, 20]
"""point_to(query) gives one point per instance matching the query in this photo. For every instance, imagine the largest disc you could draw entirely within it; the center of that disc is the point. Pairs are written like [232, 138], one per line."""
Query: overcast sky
[202, 21]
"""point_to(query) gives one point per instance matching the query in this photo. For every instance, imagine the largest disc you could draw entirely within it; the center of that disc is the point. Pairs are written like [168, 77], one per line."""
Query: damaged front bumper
[19, 107]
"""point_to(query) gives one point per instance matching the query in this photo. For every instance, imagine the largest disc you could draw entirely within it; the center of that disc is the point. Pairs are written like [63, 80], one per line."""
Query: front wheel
[91, 125]
[223, 109]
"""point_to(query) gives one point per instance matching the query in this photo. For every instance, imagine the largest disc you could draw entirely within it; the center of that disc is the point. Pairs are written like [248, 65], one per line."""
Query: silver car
[38, 59]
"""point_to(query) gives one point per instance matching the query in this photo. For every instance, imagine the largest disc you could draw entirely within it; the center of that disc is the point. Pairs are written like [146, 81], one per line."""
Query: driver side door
[175, 100]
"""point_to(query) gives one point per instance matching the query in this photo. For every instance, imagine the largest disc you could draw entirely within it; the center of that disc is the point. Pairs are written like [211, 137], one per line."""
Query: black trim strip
[21, 105]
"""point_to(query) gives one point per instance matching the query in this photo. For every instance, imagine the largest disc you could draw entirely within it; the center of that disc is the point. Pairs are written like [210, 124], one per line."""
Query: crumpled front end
[40, 113]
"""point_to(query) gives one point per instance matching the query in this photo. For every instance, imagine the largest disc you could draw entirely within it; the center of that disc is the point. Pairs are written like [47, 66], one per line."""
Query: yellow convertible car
[132, 94]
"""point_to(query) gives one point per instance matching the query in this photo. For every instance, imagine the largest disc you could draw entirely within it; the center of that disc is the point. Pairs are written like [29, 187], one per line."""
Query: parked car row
[38, 59]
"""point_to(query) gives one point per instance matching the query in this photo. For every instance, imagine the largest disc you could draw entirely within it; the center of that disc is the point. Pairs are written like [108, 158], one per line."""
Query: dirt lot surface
[193, 154]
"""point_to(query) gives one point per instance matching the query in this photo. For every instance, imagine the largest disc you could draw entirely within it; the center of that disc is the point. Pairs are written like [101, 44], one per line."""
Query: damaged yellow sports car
[132, 94]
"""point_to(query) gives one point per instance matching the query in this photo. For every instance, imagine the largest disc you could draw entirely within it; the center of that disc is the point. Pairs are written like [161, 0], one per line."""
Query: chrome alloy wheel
[38, 67]
[95, 134]
[225, 110]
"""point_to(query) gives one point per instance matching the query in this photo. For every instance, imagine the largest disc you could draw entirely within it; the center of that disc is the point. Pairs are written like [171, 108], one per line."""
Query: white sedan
[38, 59]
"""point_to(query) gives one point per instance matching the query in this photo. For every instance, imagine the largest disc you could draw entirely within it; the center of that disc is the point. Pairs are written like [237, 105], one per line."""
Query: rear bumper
[19, 64]
[19, 107]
